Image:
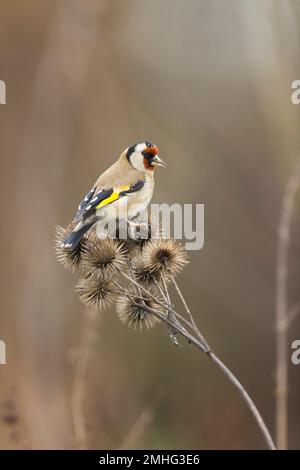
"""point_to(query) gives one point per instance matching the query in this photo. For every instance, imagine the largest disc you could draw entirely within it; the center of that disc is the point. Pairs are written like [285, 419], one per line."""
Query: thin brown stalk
[164, 305]
[132, 275]
[162, 293]
[252, 407]
[171, 315]
[282, 311]
[167, 293]
[231, 377]
[293, 313]
[248, 400]
[137, 429]
[178, 328]
[229, 374]
[196, 329]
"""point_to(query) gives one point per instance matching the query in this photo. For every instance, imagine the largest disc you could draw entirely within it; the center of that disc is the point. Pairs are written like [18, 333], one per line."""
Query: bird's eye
[148, 145]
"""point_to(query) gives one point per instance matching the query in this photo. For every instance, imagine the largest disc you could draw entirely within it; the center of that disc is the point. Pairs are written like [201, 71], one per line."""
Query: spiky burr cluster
[151, 262]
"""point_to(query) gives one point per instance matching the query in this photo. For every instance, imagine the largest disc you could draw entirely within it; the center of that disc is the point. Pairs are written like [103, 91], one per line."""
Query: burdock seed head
[103, 257]
[96, 291]
[142, 273]
[138, 232]
[162, 259]
[132, 313]
[69, 258]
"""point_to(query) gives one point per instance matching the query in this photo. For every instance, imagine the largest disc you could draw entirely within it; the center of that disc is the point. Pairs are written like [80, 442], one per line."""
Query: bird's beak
[157, 161]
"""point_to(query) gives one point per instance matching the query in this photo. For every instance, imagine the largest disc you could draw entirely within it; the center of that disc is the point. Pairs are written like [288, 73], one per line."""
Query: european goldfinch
[127, 185]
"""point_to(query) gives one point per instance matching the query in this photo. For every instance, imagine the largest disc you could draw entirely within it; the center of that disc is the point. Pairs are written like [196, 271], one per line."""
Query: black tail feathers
[74, 238]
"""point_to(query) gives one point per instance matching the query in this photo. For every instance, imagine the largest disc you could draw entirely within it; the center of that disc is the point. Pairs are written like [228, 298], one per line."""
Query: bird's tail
[74, 238]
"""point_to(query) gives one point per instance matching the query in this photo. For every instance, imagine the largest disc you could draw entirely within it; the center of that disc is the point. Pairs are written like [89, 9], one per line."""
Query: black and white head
[143, 156]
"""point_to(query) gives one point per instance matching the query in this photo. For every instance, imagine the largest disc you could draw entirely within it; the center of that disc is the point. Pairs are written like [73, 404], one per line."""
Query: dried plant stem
[171, 315]
[162, 293]
[166, 298]
[79, 382]
[203, 346]
[131, 274]
[248, 400]
[230, 376]
[293, 313]
[282, 310]
[253, 409]
[166, 292]
[196, 329]
[164, 305]
[178, 328]
[137, 430]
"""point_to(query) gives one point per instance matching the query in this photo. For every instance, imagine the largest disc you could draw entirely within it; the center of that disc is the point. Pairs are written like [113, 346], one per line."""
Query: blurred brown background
[210, 83]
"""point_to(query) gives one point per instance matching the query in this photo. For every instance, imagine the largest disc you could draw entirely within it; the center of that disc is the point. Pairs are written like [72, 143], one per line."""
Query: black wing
[84, 203]
[93, 201]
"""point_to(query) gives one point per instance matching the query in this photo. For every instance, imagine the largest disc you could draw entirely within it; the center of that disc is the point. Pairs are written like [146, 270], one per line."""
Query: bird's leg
[138, 229]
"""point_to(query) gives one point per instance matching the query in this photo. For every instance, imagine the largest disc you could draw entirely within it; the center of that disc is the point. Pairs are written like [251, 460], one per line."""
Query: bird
[126, 187]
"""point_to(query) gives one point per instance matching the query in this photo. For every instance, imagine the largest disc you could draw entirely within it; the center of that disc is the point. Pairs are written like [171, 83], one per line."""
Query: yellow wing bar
[113, 197]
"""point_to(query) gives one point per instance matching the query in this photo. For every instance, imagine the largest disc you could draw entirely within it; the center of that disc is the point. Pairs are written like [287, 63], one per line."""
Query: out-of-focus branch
[46, 150]
[138, 428]
[283, 317]
[79, 383]
[293, 313]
